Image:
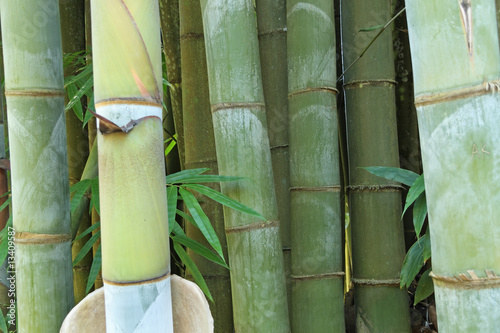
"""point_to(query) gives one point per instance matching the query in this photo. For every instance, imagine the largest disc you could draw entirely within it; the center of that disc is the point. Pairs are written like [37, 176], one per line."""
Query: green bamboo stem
[238, 113]
[73, 40]
[374, 204]
[200, 153]
[134, 222]
[456, 94]
[271, 24]
[169, 16]
[317, 266]
[40, 189]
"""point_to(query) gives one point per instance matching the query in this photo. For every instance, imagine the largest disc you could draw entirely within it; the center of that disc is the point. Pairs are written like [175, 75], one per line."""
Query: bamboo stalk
[456, 95]
[134, 223]
[40, 189]
[317, 247]
[200, 153]
[374, 204]
[238, 113]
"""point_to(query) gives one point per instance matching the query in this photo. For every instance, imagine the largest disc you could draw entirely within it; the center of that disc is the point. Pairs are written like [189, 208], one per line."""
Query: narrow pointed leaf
[415, 260]
[185, 174]
[177, 229]
[95, 194]
[187, 217]
[3, 323]
[6, 203]
[88, 231]
[200, 249]
[198, 278]
[223, 199]
[86, 248]
[201, 219]
[72, 91]
[413, 193]
[419, 213]
[425, 287]
[79, 189]
[171, 206]
[94, 269]
[4, 245]
[399, 175]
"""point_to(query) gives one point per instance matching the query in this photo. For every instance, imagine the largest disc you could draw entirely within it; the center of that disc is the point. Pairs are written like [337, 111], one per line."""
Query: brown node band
[468, 280]
[328, 188]
[135, 283]
[375, 188]
[332, 275]
[331, 90]
[128, 100]
[236, 105]
[36, 93]
[253, 226]
[272, 33]
[376, 283]
[370, 83]
[456, 94]
[191, 35]
[29, 238]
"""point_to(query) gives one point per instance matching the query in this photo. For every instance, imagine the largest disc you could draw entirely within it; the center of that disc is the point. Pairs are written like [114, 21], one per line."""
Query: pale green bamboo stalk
[200, 153]
[238, 113]
[317, 247]
[40, 190]
[456, 74]
[271, 24]
[374, 204]
[134, 223]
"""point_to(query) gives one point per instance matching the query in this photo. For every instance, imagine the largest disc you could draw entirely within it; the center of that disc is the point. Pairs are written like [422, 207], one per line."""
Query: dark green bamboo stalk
[456, 74]
[169, 17]
[73, 40]
[40, 190]
[317, 247]
[238, 113]
[200, 153]
[271, 23]
[375, 205]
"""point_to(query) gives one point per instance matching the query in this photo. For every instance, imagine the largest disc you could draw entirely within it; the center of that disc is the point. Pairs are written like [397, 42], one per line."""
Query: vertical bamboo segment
[169, 11]
[200, 153]
[375, 204]
[317, 266]
[238, 113]
[73, 40]
[40, 190]
[134, 223]
[456, 94]
[271, 22]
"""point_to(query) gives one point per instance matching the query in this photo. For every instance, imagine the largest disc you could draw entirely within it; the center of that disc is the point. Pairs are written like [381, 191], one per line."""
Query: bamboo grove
[254, 147]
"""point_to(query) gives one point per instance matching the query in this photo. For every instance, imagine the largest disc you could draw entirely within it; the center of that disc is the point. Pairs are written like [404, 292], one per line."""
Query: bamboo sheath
[456, 94]
[40, 189]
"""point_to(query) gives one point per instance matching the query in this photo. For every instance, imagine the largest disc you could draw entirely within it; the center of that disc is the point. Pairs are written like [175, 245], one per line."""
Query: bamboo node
[376, 283]
[321, 276]
[331, 90]
[370, 83]
[271, 33]
[237, 105]
[135, 283]
[40, 239]
[253, 226]
[327, 188]
[375, 188]
[36, 93]
[469, 280]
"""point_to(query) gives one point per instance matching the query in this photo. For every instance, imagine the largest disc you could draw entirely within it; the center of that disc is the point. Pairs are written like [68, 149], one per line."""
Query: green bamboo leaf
[399, 175]
[94, 269]
[79, 189]
[372, 28]
[177, 229]
[84, 73]
[223, 199]
[3, 323]
[86, 248]
[415, 260]
[200, 249]
[419, 213]
[171, 145]
[413, 193]
[77, 95]
[6, 203]
[4, 245]
[425, 287]
[210, 179]
[95, 194]
[171, 206]
[190, 265]
[72, 91]
[186, 217]
[90, 107]
[88, 231]
[201, 219]
[179, 176]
